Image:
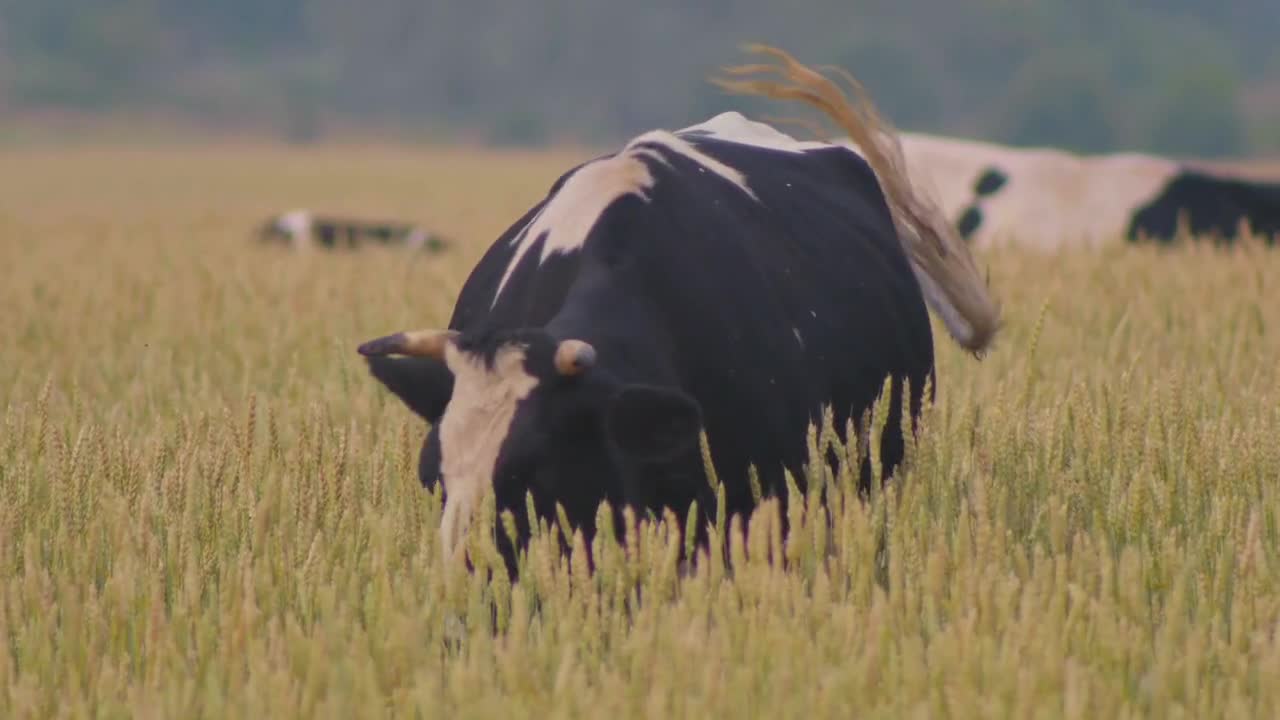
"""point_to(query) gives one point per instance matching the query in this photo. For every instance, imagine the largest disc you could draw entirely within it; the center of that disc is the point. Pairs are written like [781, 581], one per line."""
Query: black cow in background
[304, 230]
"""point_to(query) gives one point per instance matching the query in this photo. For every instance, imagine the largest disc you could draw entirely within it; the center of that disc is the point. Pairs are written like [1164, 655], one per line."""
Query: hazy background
[1189, 77]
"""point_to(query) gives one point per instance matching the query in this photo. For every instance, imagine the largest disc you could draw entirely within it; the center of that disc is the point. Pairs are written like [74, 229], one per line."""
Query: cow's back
[778, 303]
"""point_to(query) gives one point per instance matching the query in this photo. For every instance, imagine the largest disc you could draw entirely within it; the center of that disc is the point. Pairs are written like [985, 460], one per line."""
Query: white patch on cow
[416, 238]
[1050, 198]
[297, 225]
[475, 424]
[672, 142]
[735, 127]
[799, 339]
[568, 217]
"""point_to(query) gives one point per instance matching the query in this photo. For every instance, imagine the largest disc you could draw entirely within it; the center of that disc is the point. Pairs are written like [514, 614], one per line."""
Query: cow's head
[521, 411]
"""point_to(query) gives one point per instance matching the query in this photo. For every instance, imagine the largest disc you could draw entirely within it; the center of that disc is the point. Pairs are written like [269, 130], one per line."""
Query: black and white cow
[302, 229]
[725, 277]
[1049, 198]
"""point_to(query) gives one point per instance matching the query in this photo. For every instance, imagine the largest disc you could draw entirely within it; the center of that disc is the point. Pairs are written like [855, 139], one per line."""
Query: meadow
[207, 509]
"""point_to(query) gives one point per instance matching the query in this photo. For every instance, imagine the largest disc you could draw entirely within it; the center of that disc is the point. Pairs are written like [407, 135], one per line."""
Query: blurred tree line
[1192, 77]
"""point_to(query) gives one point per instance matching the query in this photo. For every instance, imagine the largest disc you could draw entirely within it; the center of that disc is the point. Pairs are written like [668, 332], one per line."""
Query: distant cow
[725, 277]
[1049, 198]
[301, 229]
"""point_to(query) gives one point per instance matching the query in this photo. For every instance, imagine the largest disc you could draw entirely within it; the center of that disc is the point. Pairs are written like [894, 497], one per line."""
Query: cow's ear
[424, 385]
[653, 424]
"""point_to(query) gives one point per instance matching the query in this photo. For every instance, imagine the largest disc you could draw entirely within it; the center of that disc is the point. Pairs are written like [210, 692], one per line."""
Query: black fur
[969, 222]
[1213, 206]
[424, 385]
[990, 181]
[707, 309]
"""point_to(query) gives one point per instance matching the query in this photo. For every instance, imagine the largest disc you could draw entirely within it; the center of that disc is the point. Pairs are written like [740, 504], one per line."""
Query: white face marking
[568, 217]
[799, 339]
[475, 424]
[1051, 197]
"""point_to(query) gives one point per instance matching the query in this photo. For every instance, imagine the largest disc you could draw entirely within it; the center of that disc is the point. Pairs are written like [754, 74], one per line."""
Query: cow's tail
[942, 263]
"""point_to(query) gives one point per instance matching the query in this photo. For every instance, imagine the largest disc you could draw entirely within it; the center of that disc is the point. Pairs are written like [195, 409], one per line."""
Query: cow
[302, 229]
[1050, 198]
[726, 279]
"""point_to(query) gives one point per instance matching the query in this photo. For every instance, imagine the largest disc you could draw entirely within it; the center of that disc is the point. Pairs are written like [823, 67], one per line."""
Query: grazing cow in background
[725, 277]
[301, 230]
[1050, 198]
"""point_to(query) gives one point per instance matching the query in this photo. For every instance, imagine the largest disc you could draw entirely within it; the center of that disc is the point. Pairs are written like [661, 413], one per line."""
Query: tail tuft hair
[941, 260]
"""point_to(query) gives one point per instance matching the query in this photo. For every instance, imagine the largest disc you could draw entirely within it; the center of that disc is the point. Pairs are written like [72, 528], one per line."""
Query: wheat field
[207, 509]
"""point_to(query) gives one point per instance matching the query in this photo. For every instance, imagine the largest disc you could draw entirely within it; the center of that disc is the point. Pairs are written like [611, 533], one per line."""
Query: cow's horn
[574, 356]
[416, 343]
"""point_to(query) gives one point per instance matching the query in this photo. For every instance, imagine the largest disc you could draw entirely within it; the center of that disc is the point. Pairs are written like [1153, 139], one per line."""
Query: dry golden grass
[207, 509]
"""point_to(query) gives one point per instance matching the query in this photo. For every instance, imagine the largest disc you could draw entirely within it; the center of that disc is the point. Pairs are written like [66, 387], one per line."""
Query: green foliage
[518, 128]
[901, 85]
[1085, 74]
[1196, 112]
[1060, 99]
[208, 509]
